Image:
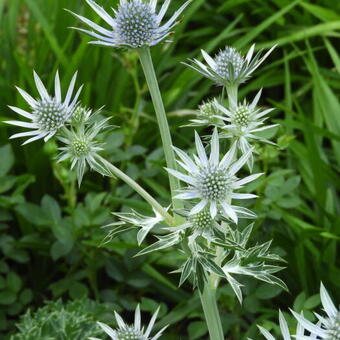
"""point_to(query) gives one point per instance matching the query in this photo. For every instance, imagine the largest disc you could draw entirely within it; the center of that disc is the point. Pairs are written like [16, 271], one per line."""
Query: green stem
[151, 79]
[135, 186]
[232, 91]
[212, 316]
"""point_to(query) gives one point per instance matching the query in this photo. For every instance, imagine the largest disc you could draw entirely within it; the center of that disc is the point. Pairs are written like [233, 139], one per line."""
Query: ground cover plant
[212, 131]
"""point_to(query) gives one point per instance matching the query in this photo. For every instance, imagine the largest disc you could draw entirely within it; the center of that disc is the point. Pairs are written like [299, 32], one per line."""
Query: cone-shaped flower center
[130, 333]
[229, 62]
[334, 331]
[80, 147]
[135, 24]
[241, 116]
[214, 183]
[202, 221]
[49, 115]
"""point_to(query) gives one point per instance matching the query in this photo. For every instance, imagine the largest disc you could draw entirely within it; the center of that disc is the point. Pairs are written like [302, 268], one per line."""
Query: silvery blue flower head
[48, 113]
[229, 67]
[328, 326]
[131, 332]
[135, 24]
[210, 181]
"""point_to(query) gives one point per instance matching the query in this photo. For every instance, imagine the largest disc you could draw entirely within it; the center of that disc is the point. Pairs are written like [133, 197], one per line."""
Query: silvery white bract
[135, 24]
[249, 261]
[284, 330]
[328, 326]
[229, 67]
[132, 220]
[48, 113]
[131, 332]
[82, 148]
[243, 122]
[210, 181]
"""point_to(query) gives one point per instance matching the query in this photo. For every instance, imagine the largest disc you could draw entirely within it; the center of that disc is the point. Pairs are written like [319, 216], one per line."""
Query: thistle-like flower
[229, 67]
[82, 147]
[211, 181]
[131, 332]
[135, 24]
[243, 122]
[48, 113]
[328, 327]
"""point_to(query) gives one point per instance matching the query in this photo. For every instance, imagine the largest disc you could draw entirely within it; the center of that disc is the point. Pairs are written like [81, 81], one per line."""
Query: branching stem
[135, 186]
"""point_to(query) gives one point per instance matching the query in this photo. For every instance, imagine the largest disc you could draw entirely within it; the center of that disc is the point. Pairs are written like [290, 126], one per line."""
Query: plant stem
[212, 316]
[232, 91]
[151, 79]
[135, 186]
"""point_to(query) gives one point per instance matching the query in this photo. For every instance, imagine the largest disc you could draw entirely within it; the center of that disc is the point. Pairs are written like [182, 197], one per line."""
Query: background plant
[303, 84]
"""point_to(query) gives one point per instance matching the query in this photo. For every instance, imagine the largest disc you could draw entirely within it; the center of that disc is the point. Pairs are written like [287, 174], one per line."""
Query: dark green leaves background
[50, 230]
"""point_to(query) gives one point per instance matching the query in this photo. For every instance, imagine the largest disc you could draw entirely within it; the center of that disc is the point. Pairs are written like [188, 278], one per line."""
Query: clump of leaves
[74, 320]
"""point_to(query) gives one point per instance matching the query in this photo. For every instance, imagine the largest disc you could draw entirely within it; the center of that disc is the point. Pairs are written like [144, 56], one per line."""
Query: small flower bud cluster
[202, 221]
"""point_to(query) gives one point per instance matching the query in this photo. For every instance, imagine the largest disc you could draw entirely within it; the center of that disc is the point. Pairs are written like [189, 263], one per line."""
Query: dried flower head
[48, 113]
[135, 24]
[131, 332]
[229, 67]
[82, 147]
[210, 181]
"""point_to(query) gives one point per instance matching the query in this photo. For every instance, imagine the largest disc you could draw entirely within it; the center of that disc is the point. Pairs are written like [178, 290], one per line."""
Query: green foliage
[50, 230]
[73, 320]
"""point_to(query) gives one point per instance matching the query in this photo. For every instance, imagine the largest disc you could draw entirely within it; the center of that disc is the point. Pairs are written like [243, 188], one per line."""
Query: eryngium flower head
[48, 113]
[135, 24]
[328, 327]
[243, 122]
[82, 147]
[229, 67]
[131, 332]
[210, 181]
